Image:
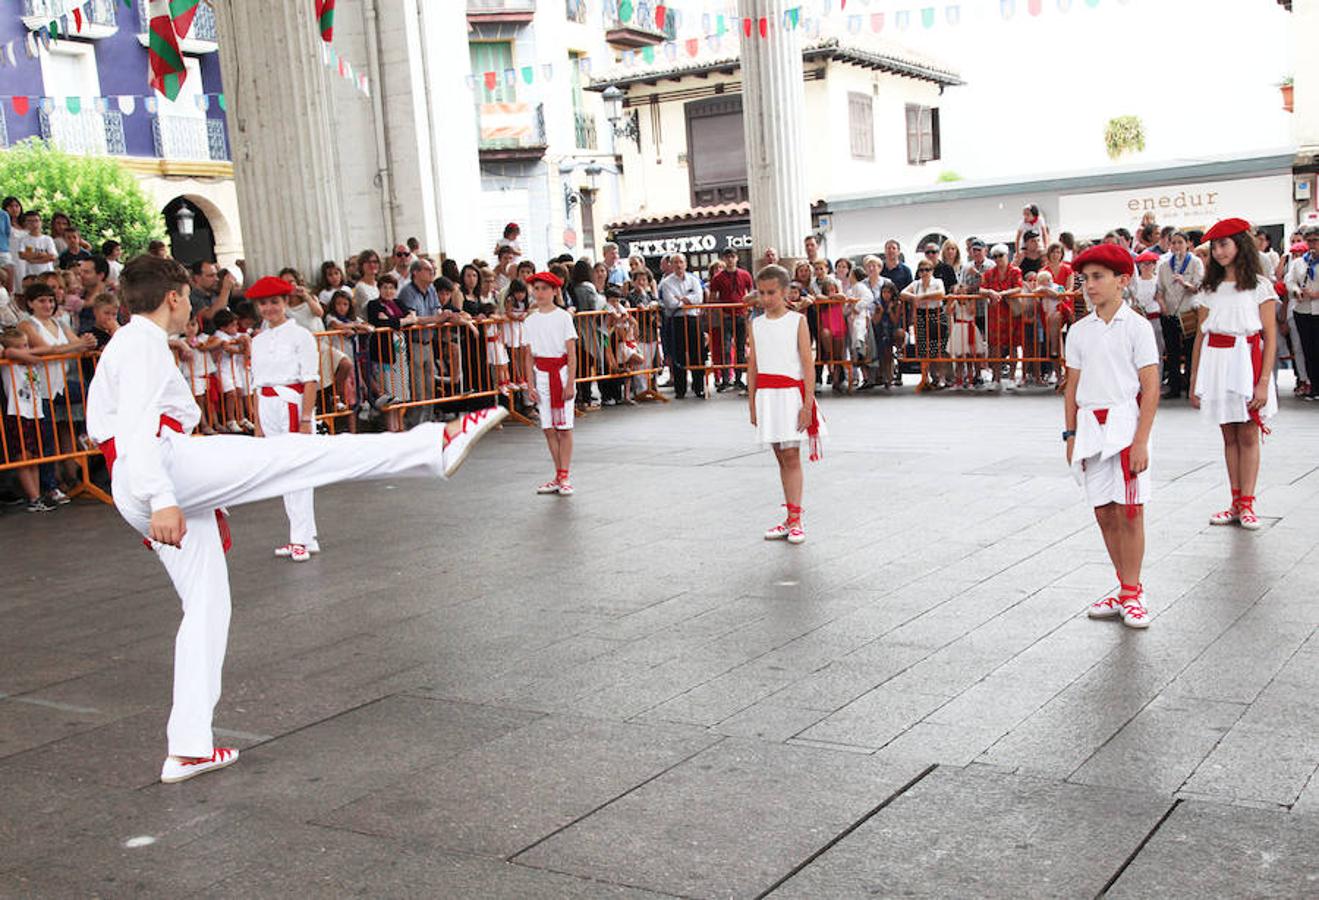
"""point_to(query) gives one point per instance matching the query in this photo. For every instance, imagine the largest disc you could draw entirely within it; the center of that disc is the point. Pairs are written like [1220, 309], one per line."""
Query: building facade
[178, 150]
[870, 117]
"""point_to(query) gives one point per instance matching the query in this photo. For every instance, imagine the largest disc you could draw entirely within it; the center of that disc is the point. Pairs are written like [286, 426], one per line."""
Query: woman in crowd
[389, 350]
[925, 298]
[949, 265]
[330, 283]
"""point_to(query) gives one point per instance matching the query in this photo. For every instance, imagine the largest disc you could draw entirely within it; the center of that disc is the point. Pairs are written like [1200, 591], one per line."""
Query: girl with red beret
[1235, 347]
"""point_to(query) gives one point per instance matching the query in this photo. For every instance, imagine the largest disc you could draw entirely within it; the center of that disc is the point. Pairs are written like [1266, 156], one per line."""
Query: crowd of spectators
[412, 337]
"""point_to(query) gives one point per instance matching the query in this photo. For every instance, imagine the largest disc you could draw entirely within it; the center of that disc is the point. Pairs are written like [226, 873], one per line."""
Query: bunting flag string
[127, 104]
[345, 69]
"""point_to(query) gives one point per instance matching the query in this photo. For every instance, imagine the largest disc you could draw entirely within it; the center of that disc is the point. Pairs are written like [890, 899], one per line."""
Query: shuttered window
[861, 125]
[922, 134]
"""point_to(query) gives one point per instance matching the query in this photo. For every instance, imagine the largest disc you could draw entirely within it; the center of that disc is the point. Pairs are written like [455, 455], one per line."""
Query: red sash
[553, 366]
[107, 448]
[1128, 476]
[1220, 341]
[783, 382]
[295, 411]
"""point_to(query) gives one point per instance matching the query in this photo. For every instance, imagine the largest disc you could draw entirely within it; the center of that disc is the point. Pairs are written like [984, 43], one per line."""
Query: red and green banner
[183, 12]
[166, 69]
[325, 19]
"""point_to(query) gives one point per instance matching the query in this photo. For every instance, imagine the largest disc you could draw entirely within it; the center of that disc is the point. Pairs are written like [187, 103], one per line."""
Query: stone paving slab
[984, 835]
[469, 672]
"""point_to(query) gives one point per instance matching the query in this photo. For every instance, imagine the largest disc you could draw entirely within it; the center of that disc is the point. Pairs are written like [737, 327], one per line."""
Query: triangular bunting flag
[471, 81]
[77, 19]
[528, 73]
[876, 22]
[183, 12]
[1035, 7]
[490, 79]
[127, 104]
[224, 104]
[746, 28]
[20, 104]
[902, 20]
[693, 46]
[953, 14]
[167, 71]
[1007, 8]
[325, 19]
[152, 105]
[46, 104]
[927, 17]
[853, 24]
[648, 54]
[661, 14]
[625, 11]
[547, 70]
[794, 16]
[764, 27]
[510, 77]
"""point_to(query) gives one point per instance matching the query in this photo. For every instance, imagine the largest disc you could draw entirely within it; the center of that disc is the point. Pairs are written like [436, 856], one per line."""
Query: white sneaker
[796, 534]
[1106, 608]
[233, 427]
[299, 553]
[473, 428]
[1228, 516]
[175, 771]
[58, 497]
[246, 425]
[287, 549]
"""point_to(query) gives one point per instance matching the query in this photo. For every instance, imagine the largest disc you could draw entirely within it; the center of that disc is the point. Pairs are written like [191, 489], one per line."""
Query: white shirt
[674, 292]
[548, 333]
[24, 395]
[1233, 311]
[1298, 280]
[137, 382]
[24, 241]
[1110, 356]
[284, 355]
[1178, 298]
[1142, 294]
[116, 268]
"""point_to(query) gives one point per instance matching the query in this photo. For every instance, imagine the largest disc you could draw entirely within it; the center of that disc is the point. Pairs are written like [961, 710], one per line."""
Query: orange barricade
[43, 422]
[623, 348]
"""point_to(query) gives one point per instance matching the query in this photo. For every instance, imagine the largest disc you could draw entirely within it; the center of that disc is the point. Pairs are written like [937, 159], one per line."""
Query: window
[861, 125]
[497, 57]
[716, 150]
[583, 121]
[922, 134]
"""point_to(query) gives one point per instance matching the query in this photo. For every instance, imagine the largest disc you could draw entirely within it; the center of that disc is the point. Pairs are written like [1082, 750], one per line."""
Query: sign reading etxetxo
[713, 240]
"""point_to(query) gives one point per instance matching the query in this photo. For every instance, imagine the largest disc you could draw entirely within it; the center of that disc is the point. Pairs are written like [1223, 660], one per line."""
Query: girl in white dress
[783, 410]
[1235, 347]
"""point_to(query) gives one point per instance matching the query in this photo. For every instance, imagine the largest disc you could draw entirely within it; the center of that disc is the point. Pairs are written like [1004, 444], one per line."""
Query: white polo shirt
[285, 355]
[1110, 356]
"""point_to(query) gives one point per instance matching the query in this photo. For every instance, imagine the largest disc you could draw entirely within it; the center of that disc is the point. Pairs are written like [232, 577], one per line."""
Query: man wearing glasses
[402, 263]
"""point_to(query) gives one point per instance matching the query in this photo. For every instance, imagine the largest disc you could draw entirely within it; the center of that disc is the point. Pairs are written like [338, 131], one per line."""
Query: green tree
[1124, 134]
[101, 198]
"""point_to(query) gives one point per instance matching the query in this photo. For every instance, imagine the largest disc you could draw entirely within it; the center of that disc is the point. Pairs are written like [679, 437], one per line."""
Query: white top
[1142, 294]
[363, 294]
[327, 295]
[284, 355]
[21, 387]
[675, 292]
[927, 296]
[1302, 275]
[116, 269]
[1233, 311]
[52, 375]
[548, 333]
[1178, 298]
[1110, 356]
[302, 314]
[776, 344]
[137, 382]
[23, 240]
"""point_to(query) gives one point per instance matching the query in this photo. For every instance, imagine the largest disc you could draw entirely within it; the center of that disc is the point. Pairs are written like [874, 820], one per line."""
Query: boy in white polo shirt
[285, 372]
[551, 343]
[1112, 396]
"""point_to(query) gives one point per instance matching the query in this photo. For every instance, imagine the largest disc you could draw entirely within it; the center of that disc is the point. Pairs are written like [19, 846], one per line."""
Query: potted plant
[1286, 88]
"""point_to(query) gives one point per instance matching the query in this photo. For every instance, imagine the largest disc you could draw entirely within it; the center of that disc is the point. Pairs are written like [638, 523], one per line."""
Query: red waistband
[766, 380]
[1128, 476]
[1256, 343]
[778, 382]
[272, 390]
[552, 366]
[1220, 341]
[1154, 315]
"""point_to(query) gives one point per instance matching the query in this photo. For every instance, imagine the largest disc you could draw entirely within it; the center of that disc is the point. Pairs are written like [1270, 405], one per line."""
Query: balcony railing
[87, 133]
[510, 126]
[203, 24]
[494, 12]
[584, 126]
[189, 138]
[98, 12]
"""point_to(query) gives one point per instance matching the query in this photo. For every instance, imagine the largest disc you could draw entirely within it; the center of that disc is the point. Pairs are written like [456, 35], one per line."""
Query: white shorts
[1105, 484]
[546, 413]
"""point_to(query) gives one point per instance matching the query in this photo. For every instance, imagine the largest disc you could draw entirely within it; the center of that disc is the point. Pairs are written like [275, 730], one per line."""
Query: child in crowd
[861, 338]
[1055, 310]
[1235, 347]
[231, 360]
[169, 486]
[1111, 398]
[22, 413]
[517, 302]
[551, 337]
[496, 354]
[890, 333]
[286, 372]
[196, 355]
[641, 297]
[350, 338]
[965, 342]
[1142, 294]
[783, 411]
[625, 351]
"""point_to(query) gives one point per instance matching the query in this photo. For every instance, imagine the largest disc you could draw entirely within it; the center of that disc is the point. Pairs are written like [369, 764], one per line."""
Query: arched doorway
[196, 247]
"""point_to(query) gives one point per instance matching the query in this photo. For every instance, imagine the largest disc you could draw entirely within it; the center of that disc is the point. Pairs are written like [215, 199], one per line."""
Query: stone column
[1305, 105]
[283, 136]
[773, 97]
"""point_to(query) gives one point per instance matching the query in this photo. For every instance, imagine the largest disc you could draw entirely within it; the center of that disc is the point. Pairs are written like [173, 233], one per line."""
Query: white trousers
[282, 415]
[230, 470]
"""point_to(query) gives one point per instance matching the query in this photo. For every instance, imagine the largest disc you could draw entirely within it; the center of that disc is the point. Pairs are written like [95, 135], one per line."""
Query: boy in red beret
[550, 337]
[1111, 397]
[171, 488]
[286, 372]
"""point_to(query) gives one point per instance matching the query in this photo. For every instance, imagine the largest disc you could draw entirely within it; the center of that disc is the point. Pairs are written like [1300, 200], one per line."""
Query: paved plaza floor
[477, 692]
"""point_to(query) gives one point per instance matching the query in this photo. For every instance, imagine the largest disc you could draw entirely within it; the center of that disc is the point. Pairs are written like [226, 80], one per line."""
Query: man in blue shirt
[895, 270]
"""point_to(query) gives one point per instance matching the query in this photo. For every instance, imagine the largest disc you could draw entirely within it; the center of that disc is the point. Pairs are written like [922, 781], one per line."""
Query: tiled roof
[702, 213]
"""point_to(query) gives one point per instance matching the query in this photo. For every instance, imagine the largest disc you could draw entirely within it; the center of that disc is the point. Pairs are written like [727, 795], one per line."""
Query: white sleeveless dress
[1225, 378]
[776, 354]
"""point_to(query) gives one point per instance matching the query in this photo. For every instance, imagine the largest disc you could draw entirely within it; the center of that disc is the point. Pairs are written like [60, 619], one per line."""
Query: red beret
[1227, 228]
[1280, 289]
[549, 278]
[1148, 256]
[1112, 257]
[1299, 247]
[269, 286]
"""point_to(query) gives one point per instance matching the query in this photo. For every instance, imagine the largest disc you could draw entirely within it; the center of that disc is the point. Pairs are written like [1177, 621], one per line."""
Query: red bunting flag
[661, 13]
[77, 18]
[20, 105]
[489, 79]
[693, 46]
[1036, 7]
[746, 27]
[183, 12]
[876, 21]
[325, 19]
[764, 27]
[166, 69]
